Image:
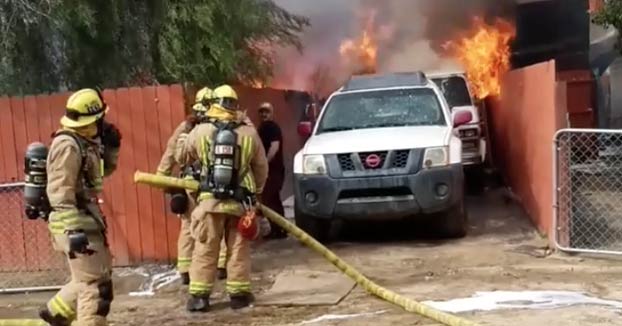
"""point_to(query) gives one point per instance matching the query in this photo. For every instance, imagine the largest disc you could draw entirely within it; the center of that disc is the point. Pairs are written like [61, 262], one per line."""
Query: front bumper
[379, 197]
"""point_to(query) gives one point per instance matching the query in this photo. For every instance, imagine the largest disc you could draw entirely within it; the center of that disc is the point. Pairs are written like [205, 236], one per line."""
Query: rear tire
[453, 223]
[317, 228]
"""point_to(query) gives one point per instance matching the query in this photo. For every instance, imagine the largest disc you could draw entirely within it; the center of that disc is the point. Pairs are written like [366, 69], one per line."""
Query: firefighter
[82, 152]
[234, 169]
[182, 203]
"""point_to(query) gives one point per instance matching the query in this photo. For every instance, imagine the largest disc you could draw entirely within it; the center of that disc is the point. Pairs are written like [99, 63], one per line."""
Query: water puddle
[486, 301]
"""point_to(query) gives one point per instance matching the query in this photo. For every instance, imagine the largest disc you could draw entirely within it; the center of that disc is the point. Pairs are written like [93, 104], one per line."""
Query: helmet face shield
[228, 103]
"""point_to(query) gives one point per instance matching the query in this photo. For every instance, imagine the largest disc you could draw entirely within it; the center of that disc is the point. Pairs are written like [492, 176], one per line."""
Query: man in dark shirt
[272, 140]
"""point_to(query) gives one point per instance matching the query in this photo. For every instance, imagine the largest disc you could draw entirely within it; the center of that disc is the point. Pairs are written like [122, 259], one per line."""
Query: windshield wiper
[337, 129]
[386, 125]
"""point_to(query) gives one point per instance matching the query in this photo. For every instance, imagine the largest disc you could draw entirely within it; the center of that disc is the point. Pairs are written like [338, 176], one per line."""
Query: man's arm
[275, 143]
[168, 158]
[274, 148]
[259, 164]
[186, 151]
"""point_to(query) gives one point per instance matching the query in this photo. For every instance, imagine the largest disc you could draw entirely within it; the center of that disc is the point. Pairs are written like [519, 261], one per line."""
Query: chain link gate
[588, 191]
[27, 260]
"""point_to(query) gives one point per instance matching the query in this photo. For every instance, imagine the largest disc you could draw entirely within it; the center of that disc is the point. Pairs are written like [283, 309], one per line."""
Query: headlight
[436, 156]
[468, 132]
[313, 164]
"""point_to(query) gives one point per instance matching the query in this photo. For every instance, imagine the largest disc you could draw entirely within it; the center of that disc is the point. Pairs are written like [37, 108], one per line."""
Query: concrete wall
[523, 122]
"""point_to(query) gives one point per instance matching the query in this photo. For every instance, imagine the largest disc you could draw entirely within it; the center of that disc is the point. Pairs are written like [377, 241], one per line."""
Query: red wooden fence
[140, 229]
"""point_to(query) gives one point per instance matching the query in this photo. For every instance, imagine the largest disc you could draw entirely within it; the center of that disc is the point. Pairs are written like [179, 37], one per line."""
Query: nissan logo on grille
[373, 161]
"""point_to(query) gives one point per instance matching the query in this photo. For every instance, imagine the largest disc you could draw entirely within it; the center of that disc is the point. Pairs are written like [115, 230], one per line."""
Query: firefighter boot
[241, 300]
[198, 303]
[185, 278]
[56, 320]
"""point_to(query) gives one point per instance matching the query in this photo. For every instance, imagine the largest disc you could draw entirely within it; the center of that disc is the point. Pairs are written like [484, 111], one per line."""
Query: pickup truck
[383, 147]
[454, 86]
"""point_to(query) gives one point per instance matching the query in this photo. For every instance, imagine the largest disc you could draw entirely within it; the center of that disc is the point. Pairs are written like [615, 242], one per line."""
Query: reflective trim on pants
[183, 262]
[238, 287]
[199, 288]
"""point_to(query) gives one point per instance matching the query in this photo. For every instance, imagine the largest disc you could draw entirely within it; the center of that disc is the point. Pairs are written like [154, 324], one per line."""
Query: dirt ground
[502, 252]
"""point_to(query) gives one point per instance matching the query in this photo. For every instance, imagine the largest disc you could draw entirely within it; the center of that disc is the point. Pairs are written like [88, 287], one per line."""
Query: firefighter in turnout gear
[234, 169]
[181, 202]
[82, 152]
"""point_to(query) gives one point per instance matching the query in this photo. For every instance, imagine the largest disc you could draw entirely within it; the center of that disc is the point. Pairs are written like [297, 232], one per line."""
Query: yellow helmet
[202, 99]
[226, 98]
[83, 108]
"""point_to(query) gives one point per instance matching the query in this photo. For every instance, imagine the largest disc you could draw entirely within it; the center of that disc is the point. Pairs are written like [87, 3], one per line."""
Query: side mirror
[462, 117]
[311, 112]
[305, 128]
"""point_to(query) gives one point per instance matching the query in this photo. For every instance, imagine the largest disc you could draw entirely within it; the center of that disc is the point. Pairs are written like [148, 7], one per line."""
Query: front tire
[317, 228]
[453, 223]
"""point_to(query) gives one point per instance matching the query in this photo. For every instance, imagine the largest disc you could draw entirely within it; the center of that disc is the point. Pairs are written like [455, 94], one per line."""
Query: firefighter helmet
[202, 99]
[226, 98]
[83, 108]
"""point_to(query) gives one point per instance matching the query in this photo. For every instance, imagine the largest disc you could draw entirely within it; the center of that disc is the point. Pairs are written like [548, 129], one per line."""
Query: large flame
[484, 52]
[361, 53]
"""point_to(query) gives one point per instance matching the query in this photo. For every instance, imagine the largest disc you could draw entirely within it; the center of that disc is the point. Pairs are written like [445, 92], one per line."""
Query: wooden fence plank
[13, 204]
[154, 153]
[8, 144]
[47, 257]
[126, 169]
[115, 190]
[34, 254]
[166, 130]
[176, 100]
[144, 192]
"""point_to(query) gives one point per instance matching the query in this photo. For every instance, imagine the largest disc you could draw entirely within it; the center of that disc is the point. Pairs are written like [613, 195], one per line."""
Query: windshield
[455, 90]
[383, 108]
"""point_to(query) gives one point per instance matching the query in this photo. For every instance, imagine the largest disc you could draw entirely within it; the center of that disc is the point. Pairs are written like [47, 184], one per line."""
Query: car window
[455, 90]
[383, 108]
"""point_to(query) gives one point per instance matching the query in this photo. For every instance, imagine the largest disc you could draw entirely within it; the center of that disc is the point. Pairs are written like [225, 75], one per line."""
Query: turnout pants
[208, 229]
[185, 245]
[87, 297]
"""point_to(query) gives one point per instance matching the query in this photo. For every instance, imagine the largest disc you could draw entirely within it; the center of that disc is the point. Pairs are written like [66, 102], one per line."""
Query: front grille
[375, 192]
[400, 159]
[373, 160]
[378, 160]
[345, 161]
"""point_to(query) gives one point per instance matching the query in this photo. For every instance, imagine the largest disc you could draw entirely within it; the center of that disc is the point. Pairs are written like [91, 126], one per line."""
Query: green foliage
[51, 45]
[610, 15]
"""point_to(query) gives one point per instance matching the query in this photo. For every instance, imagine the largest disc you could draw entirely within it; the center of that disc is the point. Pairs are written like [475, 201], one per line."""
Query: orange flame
[485, 54]
[362, 53]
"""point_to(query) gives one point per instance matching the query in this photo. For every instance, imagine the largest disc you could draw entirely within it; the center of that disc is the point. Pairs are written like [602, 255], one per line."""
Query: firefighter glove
[111, 136]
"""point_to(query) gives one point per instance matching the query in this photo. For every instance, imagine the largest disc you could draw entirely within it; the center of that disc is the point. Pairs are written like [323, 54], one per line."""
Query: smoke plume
[409, 35]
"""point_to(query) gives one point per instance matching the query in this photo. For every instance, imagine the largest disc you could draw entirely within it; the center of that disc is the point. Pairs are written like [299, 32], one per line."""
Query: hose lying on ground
[371, 287]
[22, 322]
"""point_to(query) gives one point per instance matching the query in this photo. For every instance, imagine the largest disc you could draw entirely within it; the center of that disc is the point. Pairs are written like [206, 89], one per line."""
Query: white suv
[384, 147]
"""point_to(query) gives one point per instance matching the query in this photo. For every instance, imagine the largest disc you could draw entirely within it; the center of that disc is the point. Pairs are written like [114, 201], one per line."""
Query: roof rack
[416, 78]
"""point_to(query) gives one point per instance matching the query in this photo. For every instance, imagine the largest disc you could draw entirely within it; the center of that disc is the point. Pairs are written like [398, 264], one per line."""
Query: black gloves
[110, 135]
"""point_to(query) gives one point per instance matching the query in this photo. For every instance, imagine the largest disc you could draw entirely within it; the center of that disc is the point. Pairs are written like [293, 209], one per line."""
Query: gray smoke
[410, 34]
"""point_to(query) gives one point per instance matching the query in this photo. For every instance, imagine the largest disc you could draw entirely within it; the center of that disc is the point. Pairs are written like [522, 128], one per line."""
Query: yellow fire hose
[371, 287]
[22, 322]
